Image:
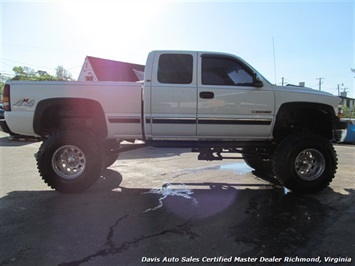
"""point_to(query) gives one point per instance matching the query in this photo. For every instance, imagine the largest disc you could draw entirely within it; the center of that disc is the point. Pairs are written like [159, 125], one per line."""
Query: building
[348, 104]
[98, 69]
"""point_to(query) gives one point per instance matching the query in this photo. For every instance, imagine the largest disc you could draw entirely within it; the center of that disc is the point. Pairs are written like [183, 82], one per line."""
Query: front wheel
[259, 159]
[305, 162]
[69, 161]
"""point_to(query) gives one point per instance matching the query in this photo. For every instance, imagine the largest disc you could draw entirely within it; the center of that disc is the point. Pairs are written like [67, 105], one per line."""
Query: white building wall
[87, 73]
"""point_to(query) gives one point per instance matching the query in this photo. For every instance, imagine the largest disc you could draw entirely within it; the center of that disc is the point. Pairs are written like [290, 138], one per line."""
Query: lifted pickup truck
[210, 102]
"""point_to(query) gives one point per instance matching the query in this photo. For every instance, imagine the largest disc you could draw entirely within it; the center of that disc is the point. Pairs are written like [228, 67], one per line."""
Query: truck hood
[298, 89]
[285, 94]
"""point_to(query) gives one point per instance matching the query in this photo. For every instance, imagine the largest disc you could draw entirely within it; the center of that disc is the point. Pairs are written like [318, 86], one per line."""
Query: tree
[63, 74]
[24, 73]
[27, 73]
[348, 112]
[353, 70]
[44, 76]
[2, 84]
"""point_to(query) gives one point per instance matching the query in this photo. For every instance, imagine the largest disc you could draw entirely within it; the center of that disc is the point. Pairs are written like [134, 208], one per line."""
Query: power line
[51, 69]
[3, 60]
[54, 50]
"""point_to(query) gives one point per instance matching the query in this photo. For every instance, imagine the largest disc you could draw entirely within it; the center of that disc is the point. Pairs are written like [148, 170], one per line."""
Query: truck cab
[205, 96]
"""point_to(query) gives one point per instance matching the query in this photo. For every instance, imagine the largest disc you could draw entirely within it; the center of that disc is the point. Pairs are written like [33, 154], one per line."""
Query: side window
[175, 68]
[224, 71]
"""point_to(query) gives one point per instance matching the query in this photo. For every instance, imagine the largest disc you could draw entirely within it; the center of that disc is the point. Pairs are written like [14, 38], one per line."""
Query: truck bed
[121, 103]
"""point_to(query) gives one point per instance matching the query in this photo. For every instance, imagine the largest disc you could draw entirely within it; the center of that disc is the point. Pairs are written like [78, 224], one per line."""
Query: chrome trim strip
[208, 121]
[231, 121]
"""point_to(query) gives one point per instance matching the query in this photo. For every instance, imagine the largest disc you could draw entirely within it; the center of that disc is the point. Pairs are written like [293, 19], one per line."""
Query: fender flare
[80, 106]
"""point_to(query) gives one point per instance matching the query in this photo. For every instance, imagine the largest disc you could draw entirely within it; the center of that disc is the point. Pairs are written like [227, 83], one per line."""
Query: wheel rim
[309, 164]
[69, 162]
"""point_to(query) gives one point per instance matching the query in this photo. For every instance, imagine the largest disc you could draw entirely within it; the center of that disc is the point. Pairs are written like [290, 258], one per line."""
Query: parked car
[3, 125]
[2, 111]
[346, 134]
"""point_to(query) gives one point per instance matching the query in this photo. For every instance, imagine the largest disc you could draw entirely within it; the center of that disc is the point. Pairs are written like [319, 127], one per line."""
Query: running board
[207, 144]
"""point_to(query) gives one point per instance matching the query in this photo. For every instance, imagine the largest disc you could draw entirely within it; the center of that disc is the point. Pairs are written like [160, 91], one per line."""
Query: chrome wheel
[310, 164]
[69, 162]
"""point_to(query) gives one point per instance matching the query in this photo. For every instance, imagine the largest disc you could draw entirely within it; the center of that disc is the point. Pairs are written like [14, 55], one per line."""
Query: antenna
[273, 48]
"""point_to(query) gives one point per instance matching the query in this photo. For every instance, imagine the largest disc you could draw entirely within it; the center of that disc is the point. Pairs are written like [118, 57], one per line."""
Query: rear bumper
[4, 127]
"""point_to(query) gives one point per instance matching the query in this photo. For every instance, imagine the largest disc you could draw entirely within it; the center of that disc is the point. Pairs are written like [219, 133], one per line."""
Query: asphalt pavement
[163, 206]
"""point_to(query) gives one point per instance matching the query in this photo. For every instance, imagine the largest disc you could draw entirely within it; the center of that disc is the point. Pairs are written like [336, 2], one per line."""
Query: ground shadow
[13, 141]
[114, 225]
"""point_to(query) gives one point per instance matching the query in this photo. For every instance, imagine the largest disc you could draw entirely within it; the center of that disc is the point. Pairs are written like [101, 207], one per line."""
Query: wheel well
[293, 117]
[69, 113]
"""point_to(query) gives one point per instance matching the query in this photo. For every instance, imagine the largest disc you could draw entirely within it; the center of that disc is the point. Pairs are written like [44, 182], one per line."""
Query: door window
[225, 71]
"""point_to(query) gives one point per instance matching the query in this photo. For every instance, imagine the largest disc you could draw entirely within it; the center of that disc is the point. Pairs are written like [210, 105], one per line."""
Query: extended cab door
[230, 106]
[172, 108]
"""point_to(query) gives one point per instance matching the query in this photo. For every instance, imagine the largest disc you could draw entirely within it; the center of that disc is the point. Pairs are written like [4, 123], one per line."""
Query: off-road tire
[259, 160]
[110, 159]
[70, 161]
[305, 162]
[111, 152]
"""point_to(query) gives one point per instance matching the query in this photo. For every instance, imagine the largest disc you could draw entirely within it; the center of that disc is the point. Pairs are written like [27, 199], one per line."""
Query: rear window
[175, 68]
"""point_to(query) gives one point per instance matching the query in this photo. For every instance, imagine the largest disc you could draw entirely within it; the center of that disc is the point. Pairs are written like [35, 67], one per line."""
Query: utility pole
[320, 83]
[283, 79]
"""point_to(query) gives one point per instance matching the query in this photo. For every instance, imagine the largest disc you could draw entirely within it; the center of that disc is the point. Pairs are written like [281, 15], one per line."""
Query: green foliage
[348, 113]
[24, 73]
[2, 84]
[63, 74]
[27, 73]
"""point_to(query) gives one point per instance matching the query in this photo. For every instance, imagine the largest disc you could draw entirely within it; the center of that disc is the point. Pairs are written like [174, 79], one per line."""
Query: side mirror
[257, 80]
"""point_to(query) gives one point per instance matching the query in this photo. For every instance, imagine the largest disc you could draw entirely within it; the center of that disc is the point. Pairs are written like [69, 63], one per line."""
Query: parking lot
[163, 206]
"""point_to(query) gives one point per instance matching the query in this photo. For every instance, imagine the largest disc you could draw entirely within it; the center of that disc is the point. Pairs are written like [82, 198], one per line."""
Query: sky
[298, 41]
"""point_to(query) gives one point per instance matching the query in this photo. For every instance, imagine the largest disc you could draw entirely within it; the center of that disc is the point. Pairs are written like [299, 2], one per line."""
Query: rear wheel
[112, 148]
[305, 162]
[70, 161]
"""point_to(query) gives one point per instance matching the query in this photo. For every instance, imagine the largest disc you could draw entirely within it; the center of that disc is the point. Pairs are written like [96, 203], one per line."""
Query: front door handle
[206, 95]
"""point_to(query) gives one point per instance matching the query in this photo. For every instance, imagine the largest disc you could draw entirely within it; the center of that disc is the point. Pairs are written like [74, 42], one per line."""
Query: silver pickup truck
[211, 102]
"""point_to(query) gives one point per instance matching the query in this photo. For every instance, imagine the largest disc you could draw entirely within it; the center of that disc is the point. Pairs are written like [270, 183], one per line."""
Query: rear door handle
[206, 95]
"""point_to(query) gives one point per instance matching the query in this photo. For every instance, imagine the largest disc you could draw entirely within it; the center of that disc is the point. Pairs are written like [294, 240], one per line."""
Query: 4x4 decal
[25, 102]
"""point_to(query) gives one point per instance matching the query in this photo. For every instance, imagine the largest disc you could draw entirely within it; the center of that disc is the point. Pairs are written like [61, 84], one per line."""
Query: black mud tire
[112, 148]
[260, 161]
[70, 161]
[110, 159]
[305, 162]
